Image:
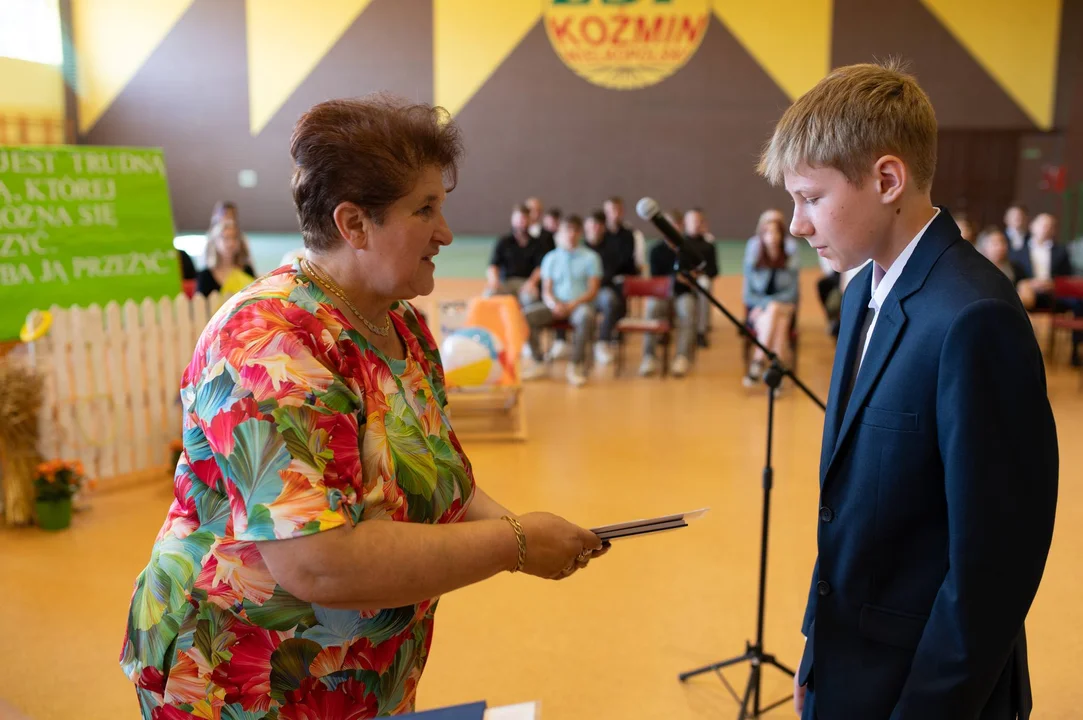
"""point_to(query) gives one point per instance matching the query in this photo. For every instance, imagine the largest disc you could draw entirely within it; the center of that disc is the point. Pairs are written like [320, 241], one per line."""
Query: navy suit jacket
[938, 487]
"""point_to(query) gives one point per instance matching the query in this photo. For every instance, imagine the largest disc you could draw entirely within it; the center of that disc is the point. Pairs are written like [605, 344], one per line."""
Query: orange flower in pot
[56, 482]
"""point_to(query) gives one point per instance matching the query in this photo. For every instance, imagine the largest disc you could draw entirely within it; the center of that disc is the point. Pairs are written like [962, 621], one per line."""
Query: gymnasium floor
[609, 642]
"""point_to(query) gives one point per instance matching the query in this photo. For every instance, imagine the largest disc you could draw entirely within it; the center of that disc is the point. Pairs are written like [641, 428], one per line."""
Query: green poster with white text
[82, 225]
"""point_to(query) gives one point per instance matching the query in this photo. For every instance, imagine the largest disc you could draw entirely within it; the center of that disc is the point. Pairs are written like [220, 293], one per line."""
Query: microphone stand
[755, 652]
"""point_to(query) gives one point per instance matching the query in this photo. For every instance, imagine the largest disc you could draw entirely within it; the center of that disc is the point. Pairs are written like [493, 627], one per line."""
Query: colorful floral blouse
[293, 424]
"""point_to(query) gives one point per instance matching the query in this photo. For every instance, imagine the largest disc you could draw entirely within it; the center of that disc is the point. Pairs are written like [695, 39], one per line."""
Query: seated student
[571, 276]
[770, 294]
[993, 244]
[534, 209]
[829, 290]
[1015, 227]
[1041, 260]
[623, 235]
[549, 224]
[228, 261]
[188, 268]
[753, 244]
[662, 262]
[618, 262]
[514, 266]
[695, 229]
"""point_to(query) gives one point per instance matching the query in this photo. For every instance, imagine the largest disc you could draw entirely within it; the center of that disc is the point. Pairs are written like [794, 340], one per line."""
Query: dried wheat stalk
[21, 394]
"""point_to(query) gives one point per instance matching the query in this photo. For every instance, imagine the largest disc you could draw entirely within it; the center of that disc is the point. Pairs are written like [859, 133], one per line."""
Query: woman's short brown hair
[368, 151]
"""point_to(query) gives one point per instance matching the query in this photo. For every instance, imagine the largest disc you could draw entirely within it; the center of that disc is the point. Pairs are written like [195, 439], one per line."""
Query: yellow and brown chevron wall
[569, 99]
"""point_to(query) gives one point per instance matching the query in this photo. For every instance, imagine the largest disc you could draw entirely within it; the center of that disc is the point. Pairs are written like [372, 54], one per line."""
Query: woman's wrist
[519, 556]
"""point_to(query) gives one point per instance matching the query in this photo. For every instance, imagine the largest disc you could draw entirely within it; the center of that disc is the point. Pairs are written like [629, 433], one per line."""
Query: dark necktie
[856, 367]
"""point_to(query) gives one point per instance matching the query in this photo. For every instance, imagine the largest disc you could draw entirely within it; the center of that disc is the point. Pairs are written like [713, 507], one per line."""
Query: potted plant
[56, 482]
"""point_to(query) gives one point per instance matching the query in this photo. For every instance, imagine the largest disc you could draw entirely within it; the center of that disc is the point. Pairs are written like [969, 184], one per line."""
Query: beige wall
[31, 96]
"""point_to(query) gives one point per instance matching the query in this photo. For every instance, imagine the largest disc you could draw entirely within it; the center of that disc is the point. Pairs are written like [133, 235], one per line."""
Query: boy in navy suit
[938, 472]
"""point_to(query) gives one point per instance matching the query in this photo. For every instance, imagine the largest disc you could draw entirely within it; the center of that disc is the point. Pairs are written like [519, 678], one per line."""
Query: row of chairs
[636, 291]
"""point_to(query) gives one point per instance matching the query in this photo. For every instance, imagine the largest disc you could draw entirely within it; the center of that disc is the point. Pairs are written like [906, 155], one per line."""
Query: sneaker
[754, 376]
[680, 366]
[576, 377]
[602, 354]
[648, 367]
[558, 350]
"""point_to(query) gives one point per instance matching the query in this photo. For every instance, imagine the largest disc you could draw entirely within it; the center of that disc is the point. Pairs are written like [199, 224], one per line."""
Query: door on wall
[976, 173]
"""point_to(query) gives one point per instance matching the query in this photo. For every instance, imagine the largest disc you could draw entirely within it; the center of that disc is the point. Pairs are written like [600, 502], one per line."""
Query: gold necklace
[319, 274]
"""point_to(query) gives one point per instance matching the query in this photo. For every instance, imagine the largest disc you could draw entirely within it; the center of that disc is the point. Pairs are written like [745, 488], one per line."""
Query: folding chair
[637, 289]
[1066, 288]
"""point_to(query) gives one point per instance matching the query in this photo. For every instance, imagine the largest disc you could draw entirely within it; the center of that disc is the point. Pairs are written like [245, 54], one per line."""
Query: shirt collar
[884, 280]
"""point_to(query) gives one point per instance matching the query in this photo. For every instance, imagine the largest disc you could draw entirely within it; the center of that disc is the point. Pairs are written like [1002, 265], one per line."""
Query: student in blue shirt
[570, 276]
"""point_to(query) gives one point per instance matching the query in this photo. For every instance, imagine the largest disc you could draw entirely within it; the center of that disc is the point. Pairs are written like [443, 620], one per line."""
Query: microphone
[688, 257]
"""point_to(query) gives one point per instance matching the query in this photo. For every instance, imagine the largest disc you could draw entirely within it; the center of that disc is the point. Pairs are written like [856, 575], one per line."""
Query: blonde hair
[210, 255]
[854, 116]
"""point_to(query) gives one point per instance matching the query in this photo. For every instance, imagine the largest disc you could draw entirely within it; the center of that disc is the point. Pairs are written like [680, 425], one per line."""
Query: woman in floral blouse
[322, 501]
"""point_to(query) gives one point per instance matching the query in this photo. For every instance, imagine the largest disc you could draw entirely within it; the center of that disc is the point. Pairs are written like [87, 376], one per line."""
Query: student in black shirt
[548, 231]
[632, 246]
[515, 265]
[188, 268]
[695, 229]
[618, 262]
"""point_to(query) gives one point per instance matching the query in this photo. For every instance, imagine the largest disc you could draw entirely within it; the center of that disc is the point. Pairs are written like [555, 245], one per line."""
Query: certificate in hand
[644, 527]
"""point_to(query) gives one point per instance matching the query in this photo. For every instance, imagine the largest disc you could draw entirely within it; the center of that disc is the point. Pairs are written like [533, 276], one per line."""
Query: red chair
[1066, 288]
[660, 288]
[189, 287]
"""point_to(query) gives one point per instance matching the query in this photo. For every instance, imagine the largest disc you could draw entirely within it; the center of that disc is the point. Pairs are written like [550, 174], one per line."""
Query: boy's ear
[891, 177]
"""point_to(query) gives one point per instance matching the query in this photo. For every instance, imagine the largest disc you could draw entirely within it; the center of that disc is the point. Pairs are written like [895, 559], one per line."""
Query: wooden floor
[608, 643]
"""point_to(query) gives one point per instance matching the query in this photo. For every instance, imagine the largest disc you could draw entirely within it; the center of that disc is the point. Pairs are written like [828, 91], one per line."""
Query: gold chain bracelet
[520, 538]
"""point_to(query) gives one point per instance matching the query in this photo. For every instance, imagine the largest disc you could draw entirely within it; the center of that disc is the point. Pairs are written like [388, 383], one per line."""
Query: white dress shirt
[1016, 238]
[1041, 259]
[884, 280]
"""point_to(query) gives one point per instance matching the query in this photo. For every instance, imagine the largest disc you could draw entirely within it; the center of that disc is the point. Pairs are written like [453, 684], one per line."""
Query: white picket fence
[112, 381]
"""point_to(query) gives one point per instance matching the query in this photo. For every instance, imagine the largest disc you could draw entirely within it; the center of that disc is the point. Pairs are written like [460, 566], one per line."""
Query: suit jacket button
[827, 514]
[823, 588]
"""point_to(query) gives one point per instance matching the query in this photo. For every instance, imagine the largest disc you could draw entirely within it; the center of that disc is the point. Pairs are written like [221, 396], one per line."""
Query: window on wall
[30, 30]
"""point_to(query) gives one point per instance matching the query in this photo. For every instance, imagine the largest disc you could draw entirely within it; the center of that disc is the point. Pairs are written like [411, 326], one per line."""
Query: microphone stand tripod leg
[754, 652]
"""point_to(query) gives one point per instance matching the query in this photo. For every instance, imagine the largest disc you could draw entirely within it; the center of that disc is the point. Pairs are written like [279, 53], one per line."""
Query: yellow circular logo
[626, 44]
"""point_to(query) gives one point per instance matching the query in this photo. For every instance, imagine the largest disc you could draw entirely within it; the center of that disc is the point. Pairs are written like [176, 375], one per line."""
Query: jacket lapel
[850, 327]
[941, 234]
[885, 335]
